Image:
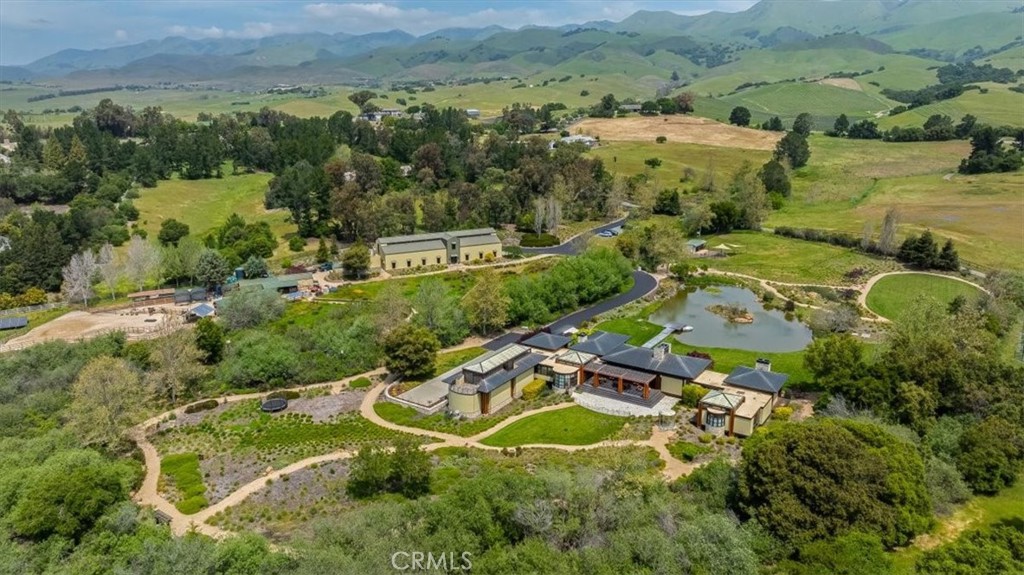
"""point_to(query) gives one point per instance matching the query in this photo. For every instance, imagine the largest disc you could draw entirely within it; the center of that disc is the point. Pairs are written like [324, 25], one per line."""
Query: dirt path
[862, 299]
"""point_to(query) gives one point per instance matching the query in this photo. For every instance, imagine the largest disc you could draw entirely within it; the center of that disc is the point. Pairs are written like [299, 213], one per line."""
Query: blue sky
[32, 29]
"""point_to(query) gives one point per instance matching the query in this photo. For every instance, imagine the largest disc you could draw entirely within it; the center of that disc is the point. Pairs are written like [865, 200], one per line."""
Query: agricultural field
[570, 426]
[677, 128]
[627, 159]
[893, 294]
[824, 102]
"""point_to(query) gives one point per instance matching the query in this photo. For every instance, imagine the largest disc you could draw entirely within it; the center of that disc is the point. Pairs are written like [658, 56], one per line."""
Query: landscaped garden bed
[238, 443]
[287, 504]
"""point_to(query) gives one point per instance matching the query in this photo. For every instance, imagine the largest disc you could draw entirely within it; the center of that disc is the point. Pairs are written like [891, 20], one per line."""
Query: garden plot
[285, 505]
[237, 443]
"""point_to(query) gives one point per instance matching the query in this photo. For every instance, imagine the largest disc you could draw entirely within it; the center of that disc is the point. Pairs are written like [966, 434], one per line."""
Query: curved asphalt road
[643, 284]
[574, 245]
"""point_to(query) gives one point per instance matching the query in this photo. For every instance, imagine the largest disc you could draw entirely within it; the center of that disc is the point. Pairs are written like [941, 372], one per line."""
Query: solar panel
[13, 322]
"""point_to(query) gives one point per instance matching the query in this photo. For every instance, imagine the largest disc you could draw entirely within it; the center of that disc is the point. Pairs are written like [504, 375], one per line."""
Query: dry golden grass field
[679, 129]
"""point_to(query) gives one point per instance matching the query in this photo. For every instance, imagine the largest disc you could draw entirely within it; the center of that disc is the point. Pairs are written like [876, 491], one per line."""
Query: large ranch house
[442, 248]
[602, 367]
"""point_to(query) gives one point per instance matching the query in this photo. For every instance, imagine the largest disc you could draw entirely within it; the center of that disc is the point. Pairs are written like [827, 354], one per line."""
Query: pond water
[769, 332]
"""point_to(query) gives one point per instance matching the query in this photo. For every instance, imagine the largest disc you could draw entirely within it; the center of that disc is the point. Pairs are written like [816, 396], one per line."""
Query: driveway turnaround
[575, 244]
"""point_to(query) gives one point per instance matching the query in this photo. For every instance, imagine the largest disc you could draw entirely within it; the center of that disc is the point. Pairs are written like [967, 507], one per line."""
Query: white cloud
[248, 30]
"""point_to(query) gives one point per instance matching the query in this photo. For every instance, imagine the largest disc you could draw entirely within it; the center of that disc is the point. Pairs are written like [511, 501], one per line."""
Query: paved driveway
[576, 244]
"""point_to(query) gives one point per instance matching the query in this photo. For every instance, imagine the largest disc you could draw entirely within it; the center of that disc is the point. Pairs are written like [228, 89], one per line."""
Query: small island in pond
[732, 312]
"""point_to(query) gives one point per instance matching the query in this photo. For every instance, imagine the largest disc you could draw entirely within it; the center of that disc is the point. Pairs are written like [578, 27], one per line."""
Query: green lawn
[570, 426]
[183, 470]
[893, 294]
[791, 363]
[788, 260]
[639, 330]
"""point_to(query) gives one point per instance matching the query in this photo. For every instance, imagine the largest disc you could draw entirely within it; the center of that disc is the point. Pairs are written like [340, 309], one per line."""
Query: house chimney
[763, 364]
[581, 337]
[660, 351]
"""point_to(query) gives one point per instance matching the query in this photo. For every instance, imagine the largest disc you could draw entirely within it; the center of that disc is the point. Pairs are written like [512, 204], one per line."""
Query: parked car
[605, 234]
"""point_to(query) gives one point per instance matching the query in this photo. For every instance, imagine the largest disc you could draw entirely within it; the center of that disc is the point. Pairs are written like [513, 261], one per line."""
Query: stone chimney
[581, 337]
[763, 364]
[660, 351]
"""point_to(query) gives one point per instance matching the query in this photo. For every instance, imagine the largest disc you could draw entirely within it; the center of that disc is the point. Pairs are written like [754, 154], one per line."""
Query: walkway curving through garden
[149, 493]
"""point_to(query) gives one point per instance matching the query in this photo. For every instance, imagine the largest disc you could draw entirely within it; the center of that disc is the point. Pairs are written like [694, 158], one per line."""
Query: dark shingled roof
[601, 343]
[681, 366]
[524, 364]
[548, 341]
[756, 379]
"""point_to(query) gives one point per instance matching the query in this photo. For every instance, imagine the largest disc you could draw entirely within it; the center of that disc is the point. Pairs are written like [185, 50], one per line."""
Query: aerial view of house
[442, 248]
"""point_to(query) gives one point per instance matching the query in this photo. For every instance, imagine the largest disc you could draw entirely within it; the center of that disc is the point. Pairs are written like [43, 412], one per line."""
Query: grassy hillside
[824, 102]
[627, 158]
[851, 183]
[956, 35]
[999, 106]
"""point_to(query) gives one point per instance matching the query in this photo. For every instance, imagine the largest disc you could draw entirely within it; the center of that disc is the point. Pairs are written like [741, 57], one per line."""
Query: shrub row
[533, 389]
[202, 406]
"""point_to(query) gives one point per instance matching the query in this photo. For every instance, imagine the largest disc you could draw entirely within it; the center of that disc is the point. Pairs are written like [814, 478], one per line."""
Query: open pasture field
[893, 294]
[627, 159]
[851, 183]
[206, 204]
[788, 260]
[822, 101]
[678, 128]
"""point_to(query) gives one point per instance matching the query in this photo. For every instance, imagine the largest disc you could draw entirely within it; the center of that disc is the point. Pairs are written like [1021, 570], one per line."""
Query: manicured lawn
[183, 470]
[893, 294]
[570, 426]
[788, 260]
[639, 330]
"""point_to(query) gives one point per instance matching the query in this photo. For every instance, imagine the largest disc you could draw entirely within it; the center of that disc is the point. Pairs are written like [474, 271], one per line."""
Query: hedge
[533, 389]
[538, 240]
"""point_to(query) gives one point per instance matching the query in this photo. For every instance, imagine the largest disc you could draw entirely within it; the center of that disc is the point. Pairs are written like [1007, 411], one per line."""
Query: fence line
[31, 308]
[132, 332]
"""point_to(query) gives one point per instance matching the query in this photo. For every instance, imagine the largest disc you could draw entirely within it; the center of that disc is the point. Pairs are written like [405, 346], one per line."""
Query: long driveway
[643, 284]
[575, 244]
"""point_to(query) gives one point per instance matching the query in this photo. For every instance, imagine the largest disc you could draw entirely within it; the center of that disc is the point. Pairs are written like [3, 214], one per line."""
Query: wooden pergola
[621, 375]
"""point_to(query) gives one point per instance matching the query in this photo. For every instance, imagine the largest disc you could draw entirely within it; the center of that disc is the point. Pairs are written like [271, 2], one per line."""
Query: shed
[696, 245]
[12, 322]
[200, 311]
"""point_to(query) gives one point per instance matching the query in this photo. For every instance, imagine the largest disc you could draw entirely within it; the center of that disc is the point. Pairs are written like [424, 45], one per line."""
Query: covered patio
[622, 380]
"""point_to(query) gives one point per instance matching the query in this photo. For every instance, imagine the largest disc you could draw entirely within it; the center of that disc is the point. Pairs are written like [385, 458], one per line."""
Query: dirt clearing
[685, 129]
[844, 83]
[83, 325]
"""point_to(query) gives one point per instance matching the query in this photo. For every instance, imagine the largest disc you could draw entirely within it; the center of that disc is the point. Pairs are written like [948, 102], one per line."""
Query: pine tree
[53, 154]
[948, 258]
[322, 253]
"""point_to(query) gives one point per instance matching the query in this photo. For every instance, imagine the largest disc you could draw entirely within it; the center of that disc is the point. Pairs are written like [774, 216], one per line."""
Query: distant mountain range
[937, 30]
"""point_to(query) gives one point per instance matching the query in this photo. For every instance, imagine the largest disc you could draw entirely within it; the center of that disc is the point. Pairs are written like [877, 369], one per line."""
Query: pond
[770, 331]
